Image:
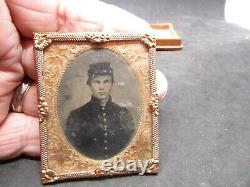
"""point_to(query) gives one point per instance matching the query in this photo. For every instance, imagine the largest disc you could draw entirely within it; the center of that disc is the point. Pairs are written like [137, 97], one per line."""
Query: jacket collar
[97, 104]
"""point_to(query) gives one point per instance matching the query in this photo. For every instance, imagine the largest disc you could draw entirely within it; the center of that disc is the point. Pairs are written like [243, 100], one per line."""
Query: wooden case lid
[166, 37]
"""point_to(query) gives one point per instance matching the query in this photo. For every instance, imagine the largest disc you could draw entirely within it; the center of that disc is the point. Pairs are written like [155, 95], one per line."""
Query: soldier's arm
[72, 129]
[128, 122]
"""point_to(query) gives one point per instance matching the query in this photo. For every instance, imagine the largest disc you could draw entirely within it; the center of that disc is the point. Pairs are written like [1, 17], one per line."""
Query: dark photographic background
[204, 120]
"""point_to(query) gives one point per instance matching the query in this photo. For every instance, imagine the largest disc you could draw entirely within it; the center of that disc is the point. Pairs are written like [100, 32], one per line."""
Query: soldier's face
[101, 86]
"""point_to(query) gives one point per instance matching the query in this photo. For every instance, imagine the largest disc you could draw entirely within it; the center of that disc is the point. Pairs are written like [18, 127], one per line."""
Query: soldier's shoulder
[119, 108]
[80, 110]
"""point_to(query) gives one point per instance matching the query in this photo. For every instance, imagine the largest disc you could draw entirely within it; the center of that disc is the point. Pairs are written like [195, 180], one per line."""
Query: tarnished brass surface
[54, 53]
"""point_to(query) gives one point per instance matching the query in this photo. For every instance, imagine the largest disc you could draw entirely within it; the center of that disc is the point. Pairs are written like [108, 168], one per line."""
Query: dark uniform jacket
[100, 132]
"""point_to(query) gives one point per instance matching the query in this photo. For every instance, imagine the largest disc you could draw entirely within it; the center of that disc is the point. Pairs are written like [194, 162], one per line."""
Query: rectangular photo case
[98, 105]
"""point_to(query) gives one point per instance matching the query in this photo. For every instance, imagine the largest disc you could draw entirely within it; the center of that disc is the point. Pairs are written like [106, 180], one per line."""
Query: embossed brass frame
[54, 51]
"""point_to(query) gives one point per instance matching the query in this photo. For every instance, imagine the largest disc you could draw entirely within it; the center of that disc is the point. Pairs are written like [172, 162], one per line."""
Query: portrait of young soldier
[100, 128]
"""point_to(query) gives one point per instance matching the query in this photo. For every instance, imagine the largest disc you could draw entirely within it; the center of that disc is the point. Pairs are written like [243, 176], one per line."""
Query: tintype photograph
[99, 103]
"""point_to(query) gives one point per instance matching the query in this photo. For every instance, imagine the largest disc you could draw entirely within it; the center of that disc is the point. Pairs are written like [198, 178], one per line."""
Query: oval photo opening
[99, 104]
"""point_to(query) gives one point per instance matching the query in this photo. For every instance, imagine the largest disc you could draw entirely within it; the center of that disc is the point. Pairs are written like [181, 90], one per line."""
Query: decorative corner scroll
[48, 176]
[43, 109]
[97, 37]
[154, 104]
[149, 40]
[41, 41]
[153, 167]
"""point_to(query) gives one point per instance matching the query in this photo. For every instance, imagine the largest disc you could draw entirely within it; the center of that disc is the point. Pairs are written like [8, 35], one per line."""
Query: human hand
[19, 132]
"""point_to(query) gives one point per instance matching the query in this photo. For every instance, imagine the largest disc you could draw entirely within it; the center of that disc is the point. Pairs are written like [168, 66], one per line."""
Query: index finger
[71, 16]
[11, 71]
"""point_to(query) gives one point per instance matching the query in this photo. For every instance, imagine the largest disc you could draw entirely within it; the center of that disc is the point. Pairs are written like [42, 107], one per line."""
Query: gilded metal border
[41, 42]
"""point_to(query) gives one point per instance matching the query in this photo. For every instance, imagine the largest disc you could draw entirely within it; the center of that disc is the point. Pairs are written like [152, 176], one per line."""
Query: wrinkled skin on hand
[19, 132]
